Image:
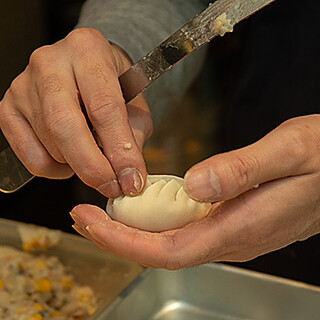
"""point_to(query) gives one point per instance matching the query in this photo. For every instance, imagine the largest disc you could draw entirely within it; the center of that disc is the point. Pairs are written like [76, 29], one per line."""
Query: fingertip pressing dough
[163, 205]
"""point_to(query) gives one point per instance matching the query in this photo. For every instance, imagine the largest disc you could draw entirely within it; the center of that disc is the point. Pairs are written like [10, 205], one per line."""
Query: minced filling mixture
[37, 287]
[35, 238]
[222, 25]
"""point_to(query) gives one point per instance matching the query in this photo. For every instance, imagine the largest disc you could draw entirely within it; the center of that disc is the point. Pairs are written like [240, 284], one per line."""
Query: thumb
[227, 175]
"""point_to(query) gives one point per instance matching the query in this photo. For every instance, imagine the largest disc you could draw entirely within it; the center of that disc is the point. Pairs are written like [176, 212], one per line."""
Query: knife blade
[219, 17]
[13, 174]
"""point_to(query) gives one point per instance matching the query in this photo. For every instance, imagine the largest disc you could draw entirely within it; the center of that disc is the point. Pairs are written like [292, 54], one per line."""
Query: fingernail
[202, 184]
[78, 221]
[80, 230]
[83, 219]
[131, 181]
[110, 189]
[94, 235]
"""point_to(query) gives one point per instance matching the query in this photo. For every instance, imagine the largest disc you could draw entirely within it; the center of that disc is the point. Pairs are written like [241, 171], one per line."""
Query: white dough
[163, 205]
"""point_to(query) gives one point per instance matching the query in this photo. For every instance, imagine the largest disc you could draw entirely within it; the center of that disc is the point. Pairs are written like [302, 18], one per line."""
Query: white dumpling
[163, 205]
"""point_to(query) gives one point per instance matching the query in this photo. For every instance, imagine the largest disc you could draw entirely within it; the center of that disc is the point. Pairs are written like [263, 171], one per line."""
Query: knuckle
[4, 111]
[242, 168]
[40, 65]
[51, 84]
[81, 34]
[8, 114]
[104, 75]
[300, 142]
[84, 39]
[39, 57]
[59, 123]
[16, 95]
[105, 109]
[18, 87]
[102, 72]
[90, 174]
[87, 42]
[15, 86]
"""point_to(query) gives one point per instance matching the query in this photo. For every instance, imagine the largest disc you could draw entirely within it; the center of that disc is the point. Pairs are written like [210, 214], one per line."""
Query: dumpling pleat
[181, 195]
[154, 189]
[169, 191]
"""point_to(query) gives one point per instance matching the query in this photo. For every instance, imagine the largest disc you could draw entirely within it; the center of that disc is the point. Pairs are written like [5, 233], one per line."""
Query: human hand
[247, 220]
[42, 119]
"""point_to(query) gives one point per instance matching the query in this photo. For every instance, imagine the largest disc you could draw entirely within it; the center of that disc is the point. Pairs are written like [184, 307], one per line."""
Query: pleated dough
[163, 205]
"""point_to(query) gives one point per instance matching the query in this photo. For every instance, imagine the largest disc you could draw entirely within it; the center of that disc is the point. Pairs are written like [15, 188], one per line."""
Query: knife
[217, 19]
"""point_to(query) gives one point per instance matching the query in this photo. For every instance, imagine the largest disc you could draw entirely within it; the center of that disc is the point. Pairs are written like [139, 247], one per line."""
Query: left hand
[267, 196]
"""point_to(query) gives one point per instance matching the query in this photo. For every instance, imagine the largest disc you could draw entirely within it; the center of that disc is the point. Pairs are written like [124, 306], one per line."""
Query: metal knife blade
[197, 32]
[13, 174]
[193, 35]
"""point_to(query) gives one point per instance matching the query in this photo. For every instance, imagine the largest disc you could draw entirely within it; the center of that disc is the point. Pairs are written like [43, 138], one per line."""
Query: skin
[246, 220]
[266, 195]
[42, 115]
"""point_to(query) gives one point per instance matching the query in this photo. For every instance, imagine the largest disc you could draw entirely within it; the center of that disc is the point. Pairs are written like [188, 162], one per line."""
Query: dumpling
[163, 205]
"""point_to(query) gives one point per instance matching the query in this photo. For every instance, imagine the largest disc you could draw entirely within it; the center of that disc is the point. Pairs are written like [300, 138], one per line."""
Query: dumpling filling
[39, 288]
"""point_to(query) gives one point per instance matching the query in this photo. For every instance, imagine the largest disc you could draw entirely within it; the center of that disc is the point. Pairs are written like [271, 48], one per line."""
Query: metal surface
[209, 292]
[13, 174]
[215, 292]
[107, 274]
[197, 32]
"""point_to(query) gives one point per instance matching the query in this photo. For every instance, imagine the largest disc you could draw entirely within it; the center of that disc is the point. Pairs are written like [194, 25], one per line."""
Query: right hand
[41, 116]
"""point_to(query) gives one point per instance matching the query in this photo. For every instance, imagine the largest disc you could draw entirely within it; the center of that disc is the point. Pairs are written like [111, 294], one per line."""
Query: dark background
[268, 71]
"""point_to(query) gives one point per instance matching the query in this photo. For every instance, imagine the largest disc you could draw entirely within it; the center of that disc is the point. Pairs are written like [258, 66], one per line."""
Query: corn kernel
[1, 283]
[43, 285]
[67, 283]
[21, 310]
[36, 316]
[40, 265]
[38, 307]
[91, 310]
[84, 298]
[32, 246]
[21, 266]
[37, 243]
[27, 246]
[56, 314]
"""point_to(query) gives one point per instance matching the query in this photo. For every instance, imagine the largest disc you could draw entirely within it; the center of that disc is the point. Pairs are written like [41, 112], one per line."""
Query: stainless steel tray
[107, 274]
[214, 292]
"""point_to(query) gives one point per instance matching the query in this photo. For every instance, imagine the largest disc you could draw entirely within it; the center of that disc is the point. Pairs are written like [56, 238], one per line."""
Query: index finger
[97, 79]
[173, 249]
